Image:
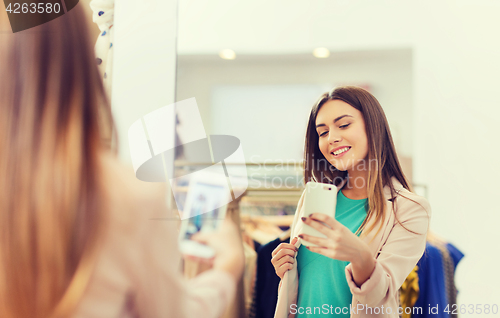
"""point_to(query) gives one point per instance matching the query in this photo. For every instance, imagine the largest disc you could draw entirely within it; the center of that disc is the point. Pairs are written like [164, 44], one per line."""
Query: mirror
[256, 68]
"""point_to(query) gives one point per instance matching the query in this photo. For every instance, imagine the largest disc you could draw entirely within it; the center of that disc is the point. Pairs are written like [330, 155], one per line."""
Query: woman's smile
[340, 151]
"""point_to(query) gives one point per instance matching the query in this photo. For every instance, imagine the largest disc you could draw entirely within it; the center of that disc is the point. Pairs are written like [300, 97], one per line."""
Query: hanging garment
[436, 271]
[103, 16]
[249, 274]
[266, 284]
[409, 292]
[455, 255]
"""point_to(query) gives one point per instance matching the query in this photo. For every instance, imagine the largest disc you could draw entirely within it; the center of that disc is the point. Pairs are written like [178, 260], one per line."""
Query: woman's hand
[341, 244]
[226, 242]
[283, 257]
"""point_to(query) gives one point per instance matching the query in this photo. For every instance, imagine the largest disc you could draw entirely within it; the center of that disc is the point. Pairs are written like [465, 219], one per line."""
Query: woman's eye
[344, 126]
[323, 133]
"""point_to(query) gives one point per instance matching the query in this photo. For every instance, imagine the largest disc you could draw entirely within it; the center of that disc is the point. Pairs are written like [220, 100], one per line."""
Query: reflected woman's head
[347, 129]
[365, 125]
[342, 136]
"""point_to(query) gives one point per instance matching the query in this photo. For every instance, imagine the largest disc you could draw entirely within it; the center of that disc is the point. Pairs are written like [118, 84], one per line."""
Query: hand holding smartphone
[319, 198]
[204, 211]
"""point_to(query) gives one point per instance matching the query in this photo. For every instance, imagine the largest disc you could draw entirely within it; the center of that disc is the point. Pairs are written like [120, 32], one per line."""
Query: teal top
[323, 289]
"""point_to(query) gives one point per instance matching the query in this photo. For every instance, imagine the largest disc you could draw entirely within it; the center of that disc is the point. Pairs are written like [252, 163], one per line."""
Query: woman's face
[342, 134]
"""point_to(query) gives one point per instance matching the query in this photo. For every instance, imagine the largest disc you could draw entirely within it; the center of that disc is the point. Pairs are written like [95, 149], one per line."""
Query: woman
[77, 235]
[379, 231]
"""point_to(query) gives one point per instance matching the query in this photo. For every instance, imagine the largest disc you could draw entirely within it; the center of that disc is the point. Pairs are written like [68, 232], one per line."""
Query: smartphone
[204, 210]
[319, 198]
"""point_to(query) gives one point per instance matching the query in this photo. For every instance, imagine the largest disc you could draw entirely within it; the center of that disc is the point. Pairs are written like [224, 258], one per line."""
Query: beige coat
[137, 273]
[395, 250]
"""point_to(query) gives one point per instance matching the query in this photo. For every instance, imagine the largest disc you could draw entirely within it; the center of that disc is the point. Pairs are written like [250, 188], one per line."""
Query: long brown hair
[383, 162]
[54, 115]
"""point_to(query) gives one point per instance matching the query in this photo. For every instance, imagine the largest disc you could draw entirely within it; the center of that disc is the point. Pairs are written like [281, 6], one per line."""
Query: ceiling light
[321, 52]
[227, 54]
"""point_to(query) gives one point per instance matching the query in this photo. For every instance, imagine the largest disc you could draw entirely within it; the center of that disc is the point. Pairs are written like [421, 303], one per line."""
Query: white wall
[280, 26]
[144, 62]
[144, 68]
[388, 72]
[455, 82]
[457, 125]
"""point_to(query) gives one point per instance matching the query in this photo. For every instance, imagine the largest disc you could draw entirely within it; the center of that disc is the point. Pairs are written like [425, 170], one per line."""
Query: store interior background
[433, 65]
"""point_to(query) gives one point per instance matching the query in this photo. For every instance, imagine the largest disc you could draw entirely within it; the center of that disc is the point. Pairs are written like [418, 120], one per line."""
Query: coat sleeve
[161, 289]
[397, 257]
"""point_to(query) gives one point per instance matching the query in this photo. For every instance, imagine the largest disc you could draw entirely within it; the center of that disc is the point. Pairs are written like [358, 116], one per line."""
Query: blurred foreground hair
[54, 121]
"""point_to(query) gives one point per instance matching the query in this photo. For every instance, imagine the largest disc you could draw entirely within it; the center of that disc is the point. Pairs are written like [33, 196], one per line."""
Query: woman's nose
[333, 138]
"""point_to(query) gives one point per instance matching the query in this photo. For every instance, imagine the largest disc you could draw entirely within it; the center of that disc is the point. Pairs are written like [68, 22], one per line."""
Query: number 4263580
[33, 8]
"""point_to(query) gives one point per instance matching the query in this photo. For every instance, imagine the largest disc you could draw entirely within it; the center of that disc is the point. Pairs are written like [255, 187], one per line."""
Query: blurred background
[256, 68]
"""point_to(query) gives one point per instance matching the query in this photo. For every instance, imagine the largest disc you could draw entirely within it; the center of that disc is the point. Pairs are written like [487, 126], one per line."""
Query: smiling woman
[379, 231]
[366, 130]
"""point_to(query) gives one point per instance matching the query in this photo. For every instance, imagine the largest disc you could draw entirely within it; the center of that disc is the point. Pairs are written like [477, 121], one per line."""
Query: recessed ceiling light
[227, 54]
[321, 52]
